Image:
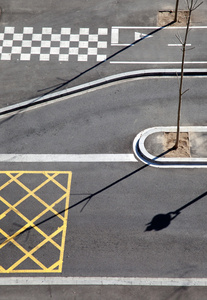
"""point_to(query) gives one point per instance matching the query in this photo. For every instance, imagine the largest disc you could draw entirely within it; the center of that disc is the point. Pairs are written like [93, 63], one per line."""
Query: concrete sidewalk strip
[141, 149]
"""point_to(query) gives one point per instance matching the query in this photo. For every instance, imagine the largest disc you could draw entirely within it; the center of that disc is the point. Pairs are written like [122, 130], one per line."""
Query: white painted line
[121, 44]
[73, 158]
[114, 35]
[157, 27]
[177, 45]
[125, 281]
[157, 62]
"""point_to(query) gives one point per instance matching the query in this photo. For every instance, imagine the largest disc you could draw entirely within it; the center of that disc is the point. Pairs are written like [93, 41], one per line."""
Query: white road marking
[67, 158]
[157, 62]
[139, 35]
[46, 44]
[114, 36]
[157, 27]
[121, 45]
[135, 33]
[126, 281]
[178, 45]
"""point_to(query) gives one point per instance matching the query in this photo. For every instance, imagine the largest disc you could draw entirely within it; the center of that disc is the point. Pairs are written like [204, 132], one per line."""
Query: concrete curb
[141, 152]
[83, 87]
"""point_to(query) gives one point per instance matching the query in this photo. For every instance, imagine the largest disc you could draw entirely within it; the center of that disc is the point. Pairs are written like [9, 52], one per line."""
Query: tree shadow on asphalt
[162, 221]
[55, 88]
[66, 82]
[157, 223]
[85, 200]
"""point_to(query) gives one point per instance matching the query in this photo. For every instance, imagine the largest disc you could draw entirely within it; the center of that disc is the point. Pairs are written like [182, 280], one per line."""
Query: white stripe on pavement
[157, 27]
[178, 45]
[157, 62]
[114, 35]
[67, 158]
[127, 281]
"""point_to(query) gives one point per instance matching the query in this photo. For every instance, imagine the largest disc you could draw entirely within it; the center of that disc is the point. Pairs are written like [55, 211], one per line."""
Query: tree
[192, 5]
[176, 10]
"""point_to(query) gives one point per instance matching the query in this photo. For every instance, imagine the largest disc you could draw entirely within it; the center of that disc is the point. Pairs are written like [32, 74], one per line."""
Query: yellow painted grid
[15, 176]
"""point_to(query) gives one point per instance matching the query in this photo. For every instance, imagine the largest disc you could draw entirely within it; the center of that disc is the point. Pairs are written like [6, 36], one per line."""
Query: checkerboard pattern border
[47, 44]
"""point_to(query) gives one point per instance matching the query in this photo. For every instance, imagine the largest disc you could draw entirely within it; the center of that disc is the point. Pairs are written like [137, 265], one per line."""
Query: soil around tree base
[165, 17]
[183, 150]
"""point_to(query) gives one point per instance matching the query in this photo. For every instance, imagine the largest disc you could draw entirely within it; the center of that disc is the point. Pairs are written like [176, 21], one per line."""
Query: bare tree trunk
[191, 7]
[176, 10]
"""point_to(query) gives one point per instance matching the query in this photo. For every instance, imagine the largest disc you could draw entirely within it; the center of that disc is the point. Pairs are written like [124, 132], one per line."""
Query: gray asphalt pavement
[34, 63]
[125, 195]
[104, 292]
[106, 120]
[118, 220]
[110, 203]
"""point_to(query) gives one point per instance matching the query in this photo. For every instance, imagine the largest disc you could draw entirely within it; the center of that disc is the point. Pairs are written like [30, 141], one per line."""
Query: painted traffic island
[154, 146]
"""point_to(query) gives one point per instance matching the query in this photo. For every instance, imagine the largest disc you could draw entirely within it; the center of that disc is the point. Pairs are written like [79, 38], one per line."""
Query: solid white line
[67, 158]
[157, 62]
[121, 44]
[126, 281]
[178, 45]
[157, 27]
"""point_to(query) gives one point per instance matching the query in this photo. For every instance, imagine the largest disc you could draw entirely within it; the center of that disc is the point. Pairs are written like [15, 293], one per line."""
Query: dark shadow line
[6, 119]
[108, 186]
[191, 202]
[85, 204]
[59, 86]
[121, 179]
[88, 198]
[78, 203]
[162, 221]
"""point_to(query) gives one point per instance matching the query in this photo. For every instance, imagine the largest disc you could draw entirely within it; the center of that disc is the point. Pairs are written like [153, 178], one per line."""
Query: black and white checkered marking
[47, 44]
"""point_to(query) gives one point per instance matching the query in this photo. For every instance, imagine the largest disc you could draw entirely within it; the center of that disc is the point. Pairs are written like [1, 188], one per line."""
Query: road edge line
[118, 281]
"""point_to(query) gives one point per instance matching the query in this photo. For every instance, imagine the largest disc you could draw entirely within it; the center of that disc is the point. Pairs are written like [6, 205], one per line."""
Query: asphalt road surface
[48, 46]
[61, 218]
[110, 203]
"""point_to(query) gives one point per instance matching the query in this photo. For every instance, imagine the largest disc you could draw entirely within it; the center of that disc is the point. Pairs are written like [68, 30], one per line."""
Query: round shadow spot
[159, 222]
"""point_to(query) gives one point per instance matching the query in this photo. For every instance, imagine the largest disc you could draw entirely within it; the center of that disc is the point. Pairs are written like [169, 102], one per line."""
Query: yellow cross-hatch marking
[18, 243]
